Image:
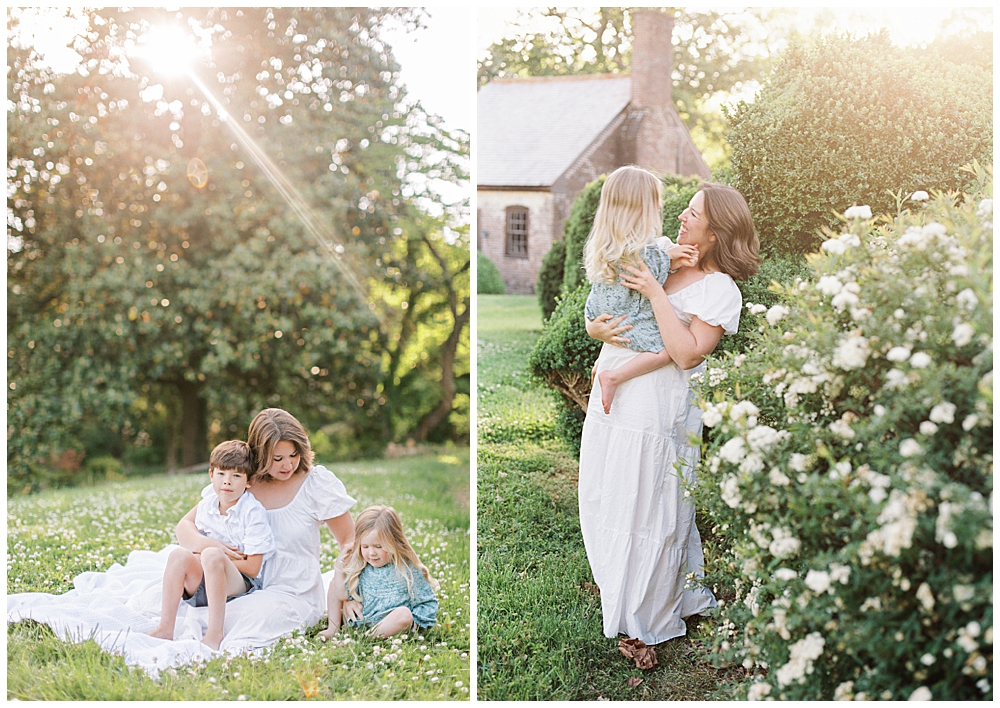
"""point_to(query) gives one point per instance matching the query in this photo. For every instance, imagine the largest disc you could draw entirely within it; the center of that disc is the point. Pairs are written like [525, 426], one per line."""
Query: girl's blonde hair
[270, 427]
[629, 217]
[385, 522]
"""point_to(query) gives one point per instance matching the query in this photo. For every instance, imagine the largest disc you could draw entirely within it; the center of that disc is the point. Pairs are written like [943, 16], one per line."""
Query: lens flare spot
[197, 173]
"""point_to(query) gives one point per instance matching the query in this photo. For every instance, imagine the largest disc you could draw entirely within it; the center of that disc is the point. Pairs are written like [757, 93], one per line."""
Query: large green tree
[146, 302]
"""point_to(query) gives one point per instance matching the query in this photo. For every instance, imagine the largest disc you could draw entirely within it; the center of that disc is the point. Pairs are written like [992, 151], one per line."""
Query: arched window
[517, 232]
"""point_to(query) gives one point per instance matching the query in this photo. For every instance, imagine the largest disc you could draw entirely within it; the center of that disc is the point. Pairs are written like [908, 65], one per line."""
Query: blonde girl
[628, 230]
[384, 573]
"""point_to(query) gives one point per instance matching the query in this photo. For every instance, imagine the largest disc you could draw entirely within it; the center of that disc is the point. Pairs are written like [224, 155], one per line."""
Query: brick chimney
[652, 58]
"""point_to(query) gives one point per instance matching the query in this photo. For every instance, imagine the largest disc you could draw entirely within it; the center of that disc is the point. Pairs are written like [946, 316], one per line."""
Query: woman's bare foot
[328, 634]
[162, 633]
[212, 641]
[608, 388]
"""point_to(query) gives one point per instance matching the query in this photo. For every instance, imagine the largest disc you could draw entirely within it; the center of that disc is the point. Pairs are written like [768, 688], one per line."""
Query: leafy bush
[488, 280]
[843, 122]
[850, 469]
[550, 278]
[677, 192]
[576, 230]
[104, 468]
[564, 353]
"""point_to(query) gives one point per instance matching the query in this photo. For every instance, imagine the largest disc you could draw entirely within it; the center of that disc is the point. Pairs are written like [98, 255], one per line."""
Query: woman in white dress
[638, 527]
[117, 607]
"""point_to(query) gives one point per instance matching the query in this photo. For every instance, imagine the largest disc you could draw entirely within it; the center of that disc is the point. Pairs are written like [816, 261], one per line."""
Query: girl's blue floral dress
[384, 589]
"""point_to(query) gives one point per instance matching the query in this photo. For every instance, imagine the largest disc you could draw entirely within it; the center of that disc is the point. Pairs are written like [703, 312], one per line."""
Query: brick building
[540, 140]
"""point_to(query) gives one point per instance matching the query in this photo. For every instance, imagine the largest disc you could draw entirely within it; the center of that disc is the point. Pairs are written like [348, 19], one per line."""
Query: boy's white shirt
[244, 526]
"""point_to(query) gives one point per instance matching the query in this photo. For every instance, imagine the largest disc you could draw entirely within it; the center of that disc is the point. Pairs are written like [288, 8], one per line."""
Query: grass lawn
[539, 624]
[53, 536]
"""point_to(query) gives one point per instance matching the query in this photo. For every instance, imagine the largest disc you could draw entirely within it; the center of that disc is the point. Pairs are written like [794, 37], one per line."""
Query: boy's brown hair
[232, 455]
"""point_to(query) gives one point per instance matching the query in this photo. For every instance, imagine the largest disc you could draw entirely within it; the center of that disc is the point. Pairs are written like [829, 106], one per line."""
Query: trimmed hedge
[488, 280]
[850, 121]
[550, 278]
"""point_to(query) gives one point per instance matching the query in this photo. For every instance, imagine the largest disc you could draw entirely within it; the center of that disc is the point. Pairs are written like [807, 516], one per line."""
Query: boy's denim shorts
[200, 599]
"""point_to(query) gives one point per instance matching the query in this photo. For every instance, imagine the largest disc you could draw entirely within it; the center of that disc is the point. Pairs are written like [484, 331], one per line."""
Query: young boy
[229, 514]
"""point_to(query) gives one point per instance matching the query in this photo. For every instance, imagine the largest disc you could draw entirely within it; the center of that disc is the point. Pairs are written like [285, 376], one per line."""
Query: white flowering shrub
[848, 473]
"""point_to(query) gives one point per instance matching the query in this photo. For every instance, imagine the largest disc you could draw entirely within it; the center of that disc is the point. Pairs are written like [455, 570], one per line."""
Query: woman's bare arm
[688, 347]
[342, 528]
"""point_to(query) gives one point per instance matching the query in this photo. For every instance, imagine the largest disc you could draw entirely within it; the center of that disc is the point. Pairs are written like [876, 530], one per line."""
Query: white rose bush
[847, 475]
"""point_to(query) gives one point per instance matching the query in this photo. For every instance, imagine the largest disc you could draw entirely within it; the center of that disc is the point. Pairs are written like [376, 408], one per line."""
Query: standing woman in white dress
[637, 525]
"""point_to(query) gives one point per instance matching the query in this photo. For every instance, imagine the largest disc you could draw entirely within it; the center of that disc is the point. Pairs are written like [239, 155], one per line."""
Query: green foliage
[55, 535]
[488, 280]
[677, 193]
[142, 309]
[849, 121]
[576, 230]
[850, 467]
[550, 278]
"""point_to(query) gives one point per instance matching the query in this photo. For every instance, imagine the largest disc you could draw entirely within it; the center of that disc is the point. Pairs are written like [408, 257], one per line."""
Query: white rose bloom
[829, 285]
[879, 410]
[801, 657]
[970, 422]
[762, 437]
[928, 428]
[844, 299]
[967, 299]
[943, 413]
[920, 360]
[777, 478]
[985, 208]
[731, 491]
[898, 354]
[733, 451]
[785, 574]
[799, 462]
[752, 463]
[844, 692]
[925, 596]
[711, 417]
[921, 694]
[895, 379]
[756, 309]
[859, 212]
[842, 428]
[784, 544]
[910, 448]
[758, 691]
[776, 313]
[839, 573]
[743, 408]
[919, 196]
[818, 581]
[834, 246]
[851, 352]
[963, 334]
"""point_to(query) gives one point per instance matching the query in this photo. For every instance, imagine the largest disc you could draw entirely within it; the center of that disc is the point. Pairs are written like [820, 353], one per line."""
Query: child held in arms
[231, 515]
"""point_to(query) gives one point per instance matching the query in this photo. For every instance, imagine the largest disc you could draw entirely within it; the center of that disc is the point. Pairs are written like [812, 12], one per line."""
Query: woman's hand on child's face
[606, 328]
[642, 280]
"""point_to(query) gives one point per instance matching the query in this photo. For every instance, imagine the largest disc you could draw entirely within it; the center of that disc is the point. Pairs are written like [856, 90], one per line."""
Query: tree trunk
[432, 419]
[194, 432]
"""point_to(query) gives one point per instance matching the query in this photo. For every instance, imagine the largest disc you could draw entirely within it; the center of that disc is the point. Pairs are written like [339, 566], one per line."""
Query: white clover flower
[859, 212]
[777, 478]
[879, 410]
[785, 574]
[928, 428]
[921, 694]
[818, 581]
[731, 491]
[920, 360]
[920, 196]
[756, 309]
[963, 334]
[910, 448]
[711, 417]
[758, 690]
[851, 352]
[943, 413]
[925, 596]
[967, 299]
[829, 285]
[733, 451]
[970, 422]
[776, 313]
[898, 354]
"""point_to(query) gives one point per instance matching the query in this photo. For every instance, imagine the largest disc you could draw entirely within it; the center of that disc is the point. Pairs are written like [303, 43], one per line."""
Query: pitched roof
[529, 131]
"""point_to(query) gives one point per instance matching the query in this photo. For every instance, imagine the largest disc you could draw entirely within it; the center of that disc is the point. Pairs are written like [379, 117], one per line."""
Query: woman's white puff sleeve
[326, 496]
[719, 303]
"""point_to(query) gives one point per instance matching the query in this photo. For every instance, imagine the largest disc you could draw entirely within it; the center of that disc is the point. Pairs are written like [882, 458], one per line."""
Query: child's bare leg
[183, 572]
[335, 597]
[222, 580]
[399, 620]
[611, 379]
